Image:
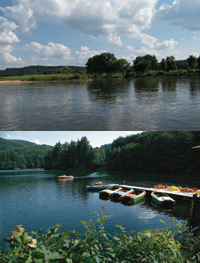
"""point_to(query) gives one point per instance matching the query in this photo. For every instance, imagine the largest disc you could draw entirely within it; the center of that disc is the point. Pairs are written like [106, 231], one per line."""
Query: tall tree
[171, 63]
[147, 62]
[164, 64]
[192, 61]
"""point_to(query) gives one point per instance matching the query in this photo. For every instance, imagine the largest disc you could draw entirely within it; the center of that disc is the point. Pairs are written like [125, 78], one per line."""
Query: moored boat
[134, 197]
[65, 177]
[99, 186]
[162, 199]
[119, 193]
[105, 193]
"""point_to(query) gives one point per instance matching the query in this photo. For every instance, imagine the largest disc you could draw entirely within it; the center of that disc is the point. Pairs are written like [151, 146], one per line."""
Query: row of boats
[123, 194]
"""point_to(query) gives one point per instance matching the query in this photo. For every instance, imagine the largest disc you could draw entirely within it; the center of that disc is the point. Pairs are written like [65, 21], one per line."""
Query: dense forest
[19, 154]
[153, 151]
[148, 151]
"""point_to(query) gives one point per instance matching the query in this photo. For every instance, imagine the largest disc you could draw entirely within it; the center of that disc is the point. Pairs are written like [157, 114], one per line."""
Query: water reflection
[107, 89]
[106, 104]
[169, 84]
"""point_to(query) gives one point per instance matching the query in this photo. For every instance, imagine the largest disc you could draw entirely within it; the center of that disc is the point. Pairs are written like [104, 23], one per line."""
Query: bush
[95, 244]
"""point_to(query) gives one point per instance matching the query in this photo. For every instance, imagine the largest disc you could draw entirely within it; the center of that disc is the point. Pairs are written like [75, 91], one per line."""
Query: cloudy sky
[68, 32]
[96, 138]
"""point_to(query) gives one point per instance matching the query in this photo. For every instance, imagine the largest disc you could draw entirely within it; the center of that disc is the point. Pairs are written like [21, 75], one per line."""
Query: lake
[36, 199]
[108, 104]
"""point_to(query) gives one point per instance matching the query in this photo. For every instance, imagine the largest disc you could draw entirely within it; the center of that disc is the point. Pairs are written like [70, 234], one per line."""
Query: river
[36, 199]
[108, 104]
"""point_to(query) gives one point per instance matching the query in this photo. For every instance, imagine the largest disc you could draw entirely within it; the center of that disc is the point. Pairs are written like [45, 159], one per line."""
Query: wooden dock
[175, 194]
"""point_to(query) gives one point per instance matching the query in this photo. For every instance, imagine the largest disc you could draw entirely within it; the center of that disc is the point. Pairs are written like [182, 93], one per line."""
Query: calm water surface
[117, 104]
[38, 200]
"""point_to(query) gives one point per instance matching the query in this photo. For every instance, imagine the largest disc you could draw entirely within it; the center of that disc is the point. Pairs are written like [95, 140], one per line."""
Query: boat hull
[99, 187]
[134, 198]
[65, 177]
[162, 199]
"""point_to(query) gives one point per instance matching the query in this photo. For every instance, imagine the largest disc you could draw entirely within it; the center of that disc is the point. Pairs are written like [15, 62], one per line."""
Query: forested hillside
[148, 151]
[21, 154]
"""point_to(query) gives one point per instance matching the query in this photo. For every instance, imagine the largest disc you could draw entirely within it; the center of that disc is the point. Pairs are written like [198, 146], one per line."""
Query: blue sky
[68, 32]
[96, 138]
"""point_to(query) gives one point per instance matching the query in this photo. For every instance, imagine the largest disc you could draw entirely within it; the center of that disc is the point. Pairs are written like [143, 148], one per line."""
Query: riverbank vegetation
[95, 244]
[106, 65]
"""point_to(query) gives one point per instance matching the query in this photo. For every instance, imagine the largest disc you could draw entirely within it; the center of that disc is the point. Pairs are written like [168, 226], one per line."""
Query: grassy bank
[171, 73]
[51, 77]
[95, 244]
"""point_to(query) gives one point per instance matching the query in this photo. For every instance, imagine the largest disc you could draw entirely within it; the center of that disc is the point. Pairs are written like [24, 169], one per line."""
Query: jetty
[175, 194]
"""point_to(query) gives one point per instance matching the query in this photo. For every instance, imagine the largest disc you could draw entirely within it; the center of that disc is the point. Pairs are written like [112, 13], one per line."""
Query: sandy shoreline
[42, 81]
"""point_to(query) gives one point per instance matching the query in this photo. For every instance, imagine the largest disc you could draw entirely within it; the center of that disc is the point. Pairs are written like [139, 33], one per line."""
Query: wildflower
[33, 243]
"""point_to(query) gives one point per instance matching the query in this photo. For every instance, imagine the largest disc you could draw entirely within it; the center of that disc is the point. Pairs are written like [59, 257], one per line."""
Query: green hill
[21, 154]
[36, 70]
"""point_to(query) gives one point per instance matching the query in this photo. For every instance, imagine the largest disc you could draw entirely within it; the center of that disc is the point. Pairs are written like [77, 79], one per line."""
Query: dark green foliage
[145, 63]
[171, 63]
[164, 64]
[192, 61]
[40, 70]
[95, 244]
[155, 151]
[21, 154]
[106, 63]
[70, 155]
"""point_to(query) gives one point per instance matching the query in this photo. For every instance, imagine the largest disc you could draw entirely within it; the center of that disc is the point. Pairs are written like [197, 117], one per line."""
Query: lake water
[36, 199]
[115, 104]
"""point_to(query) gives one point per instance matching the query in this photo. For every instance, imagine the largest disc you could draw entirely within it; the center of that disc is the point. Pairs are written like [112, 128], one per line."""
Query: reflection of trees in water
[146, 85]
[194, 85]
[169, 84]
[108, 89]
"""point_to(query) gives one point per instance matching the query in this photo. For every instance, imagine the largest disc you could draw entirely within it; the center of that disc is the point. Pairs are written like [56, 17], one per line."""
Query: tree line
[148, 151]
[23, 158]
[107, 63]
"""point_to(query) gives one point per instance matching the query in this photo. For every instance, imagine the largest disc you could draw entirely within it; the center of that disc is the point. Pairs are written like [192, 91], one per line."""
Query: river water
[110, 104]
[36, 199]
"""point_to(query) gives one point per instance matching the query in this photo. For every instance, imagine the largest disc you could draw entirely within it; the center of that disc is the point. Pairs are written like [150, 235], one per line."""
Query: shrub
[95, 244]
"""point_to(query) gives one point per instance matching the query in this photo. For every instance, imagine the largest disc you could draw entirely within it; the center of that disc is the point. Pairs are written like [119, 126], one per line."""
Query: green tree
[164, 64]
[145, 63]
[171, 63]
[122, 65]
[102, 64]
[192, 61]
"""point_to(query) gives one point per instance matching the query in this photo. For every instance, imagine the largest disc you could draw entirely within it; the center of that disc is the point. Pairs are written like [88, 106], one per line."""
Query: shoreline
[42, 81]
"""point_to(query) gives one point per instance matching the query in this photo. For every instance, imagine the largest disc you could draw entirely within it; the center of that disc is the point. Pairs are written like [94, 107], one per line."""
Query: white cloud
[50, 51]
[84, 53]
[109, 18]
[7, 57]
[183, 13]
[8, 37]
[9, 25]
[155, 48]
[37, 141]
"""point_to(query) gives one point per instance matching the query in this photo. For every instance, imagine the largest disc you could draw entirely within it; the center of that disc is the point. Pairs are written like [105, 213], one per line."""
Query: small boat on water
[105, 193]
[99, 186]
[65, 177]
[134, 197]
[162, 199]
[119, 193]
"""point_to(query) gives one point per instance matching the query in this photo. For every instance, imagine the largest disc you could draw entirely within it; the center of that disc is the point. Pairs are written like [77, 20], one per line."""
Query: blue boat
[99, 186]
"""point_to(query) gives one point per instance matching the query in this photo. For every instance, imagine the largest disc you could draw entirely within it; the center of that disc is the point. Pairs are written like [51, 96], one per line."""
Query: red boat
[134, 197]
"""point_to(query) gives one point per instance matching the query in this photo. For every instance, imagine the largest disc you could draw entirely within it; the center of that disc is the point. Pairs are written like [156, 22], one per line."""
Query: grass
[51, 77]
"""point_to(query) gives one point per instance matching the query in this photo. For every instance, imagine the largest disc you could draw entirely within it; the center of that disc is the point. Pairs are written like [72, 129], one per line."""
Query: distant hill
[11, 144]
[33, 70]
[19, 154]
